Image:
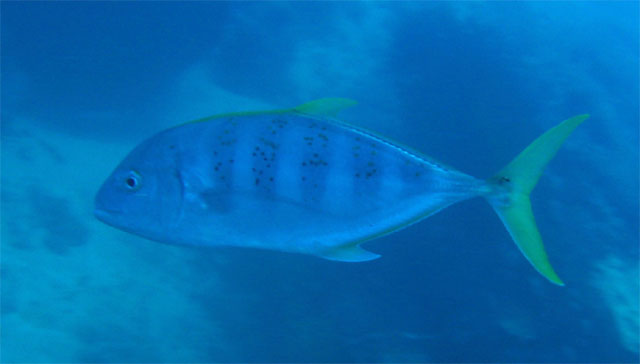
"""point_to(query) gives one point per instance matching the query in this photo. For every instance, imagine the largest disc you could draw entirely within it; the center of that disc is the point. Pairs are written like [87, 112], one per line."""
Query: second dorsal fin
[326, 107]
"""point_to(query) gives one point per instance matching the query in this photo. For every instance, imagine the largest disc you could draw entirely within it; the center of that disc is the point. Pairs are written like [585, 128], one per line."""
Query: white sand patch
[74, 289]
[619, 286]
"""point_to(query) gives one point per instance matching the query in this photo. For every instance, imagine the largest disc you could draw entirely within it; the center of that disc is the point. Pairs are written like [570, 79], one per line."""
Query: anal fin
[348, 253]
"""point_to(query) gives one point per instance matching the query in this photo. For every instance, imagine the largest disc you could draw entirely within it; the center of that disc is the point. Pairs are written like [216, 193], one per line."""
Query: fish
[300, 180]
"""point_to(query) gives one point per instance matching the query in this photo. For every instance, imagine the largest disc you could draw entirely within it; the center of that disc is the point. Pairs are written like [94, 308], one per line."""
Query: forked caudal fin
[511, 189]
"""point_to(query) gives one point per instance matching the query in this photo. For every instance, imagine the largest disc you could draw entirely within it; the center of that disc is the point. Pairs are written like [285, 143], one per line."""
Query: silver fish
[298, 180]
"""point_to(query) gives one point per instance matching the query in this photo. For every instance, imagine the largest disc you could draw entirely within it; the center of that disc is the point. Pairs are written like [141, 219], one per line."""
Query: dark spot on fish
[270, 179]
[315, 185]
[417, 174]
[226, 131]
[268, 165]
[318, 162]
[356, 155]
[257, 181]
[253, 154]
[269, 143]
[304, 178]
[216, 168]
[373, 152]
[215, 152]
[230, 160]
[370, 164]
[357, 175]
[304, 164]
[228, 142]
[172, 147]
[273, 132]
[315, 155]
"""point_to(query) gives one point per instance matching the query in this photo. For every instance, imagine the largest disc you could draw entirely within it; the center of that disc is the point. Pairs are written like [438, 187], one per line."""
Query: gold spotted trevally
[298, 180]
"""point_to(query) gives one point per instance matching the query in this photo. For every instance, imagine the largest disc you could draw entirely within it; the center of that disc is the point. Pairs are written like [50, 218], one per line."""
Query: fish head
[143, 195]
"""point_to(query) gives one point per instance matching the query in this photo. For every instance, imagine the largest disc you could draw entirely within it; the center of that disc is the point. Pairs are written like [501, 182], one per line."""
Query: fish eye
[132, 182]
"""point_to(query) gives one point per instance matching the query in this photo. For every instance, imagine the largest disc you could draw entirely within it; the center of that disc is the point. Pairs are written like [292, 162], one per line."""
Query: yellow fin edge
[509, 195]
[325, 107]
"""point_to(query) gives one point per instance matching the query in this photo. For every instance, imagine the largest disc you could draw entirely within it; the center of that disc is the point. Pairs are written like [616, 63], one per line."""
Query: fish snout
[102, 209]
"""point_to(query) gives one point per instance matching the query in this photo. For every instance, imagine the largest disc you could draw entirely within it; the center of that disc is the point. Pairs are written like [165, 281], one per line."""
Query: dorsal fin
[327, 107]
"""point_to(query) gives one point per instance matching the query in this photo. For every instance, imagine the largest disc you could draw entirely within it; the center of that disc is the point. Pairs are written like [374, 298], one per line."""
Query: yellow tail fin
[512, 186]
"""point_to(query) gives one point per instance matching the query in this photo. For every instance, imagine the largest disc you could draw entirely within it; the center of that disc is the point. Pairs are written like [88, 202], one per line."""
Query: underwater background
[470, 84]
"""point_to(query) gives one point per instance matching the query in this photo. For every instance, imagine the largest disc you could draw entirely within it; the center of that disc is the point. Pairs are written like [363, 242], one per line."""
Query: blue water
[470, 84]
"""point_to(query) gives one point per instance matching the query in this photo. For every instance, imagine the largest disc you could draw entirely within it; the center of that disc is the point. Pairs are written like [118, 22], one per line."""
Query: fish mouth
[105, 215]
[103, 210]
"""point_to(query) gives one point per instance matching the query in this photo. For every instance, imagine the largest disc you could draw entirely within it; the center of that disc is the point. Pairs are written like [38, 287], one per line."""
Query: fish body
[294, 180]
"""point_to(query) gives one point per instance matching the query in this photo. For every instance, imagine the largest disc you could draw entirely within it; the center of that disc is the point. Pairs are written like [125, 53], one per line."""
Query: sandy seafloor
[468, 83]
